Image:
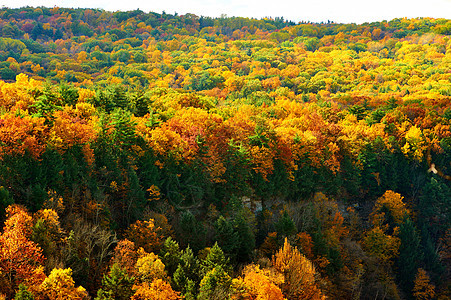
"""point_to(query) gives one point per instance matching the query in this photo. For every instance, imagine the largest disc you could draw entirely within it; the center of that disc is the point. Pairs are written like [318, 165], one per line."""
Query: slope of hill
[157, 154]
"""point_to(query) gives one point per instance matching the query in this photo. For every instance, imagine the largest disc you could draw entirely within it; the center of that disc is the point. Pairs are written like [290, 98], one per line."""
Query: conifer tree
[226, 236]
[186, 277]
[215, 258]
[215, 284]
[116, 285]
[409, 254]
[170, 255]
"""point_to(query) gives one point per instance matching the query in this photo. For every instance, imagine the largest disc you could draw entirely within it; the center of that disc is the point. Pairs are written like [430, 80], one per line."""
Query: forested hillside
[159, 156]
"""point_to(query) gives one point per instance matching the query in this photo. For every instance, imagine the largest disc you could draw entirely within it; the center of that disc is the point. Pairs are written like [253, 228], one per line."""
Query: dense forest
[159, 156]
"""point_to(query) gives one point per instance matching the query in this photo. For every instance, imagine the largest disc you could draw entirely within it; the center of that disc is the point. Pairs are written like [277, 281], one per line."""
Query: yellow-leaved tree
[298, 272]
[60, 285]
[415, 145]
[152, 279]
[390, 208]
[149, 266]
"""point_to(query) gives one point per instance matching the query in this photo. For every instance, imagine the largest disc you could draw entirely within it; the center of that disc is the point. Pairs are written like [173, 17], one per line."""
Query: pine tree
[170, 255]
[246, 238]
[119, 97]
[5, 201]
[226, 236]
[409, 254]
[215, 258]
[285, 226]
[141, 104]
[191, 232]
[116, 285]
[186, 276]
[215, 284]
[431, 257]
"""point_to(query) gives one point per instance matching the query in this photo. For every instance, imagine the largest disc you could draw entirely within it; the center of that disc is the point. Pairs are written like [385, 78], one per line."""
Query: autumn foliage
[19, 256]
[299, 273]
[159, 156]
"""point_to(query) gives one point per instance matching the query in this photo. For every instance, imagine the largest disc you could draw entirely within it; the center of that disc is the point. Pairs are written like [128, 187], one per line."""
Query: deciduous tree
[60, 285]
[423, 289]
[298, 272]
[19, 256]
[158, 289]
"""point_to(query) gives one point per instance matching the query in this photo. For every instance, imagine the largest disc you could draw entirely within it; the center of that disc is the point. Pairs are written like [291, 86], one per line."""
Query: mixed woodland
[159, 156]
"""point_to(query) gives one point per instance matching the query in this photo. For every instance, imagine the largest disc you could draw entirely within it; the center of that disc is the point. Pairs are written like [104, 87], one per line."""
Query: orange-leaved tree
[258, 284]
[423, 289]
[149, 235]
[126, 256]
[74, 127]
[22, 133]
[158, 289]
[19, 256]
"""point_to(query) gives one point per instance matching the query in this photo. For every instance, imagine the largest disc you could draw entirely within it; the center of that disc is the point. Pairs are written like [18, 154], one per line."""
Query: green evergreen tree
[186, 276]
[119, 97]
[116, 285]
[46, 104]
[215, 258]
[285, 225]
[140, 104]
[68, 94]
[434, 205]
[170, 255]
[409, 255]
[103, 100]
[226, 236]
[5, 201]
[246, 238]
[124, 134]
[215, 284]
[431, 258]
[191, 232]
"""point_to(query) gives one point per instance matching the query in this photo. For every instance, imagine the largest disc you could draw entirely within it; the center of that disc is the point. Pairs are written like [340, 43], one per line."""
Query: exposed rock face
[254, 205]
